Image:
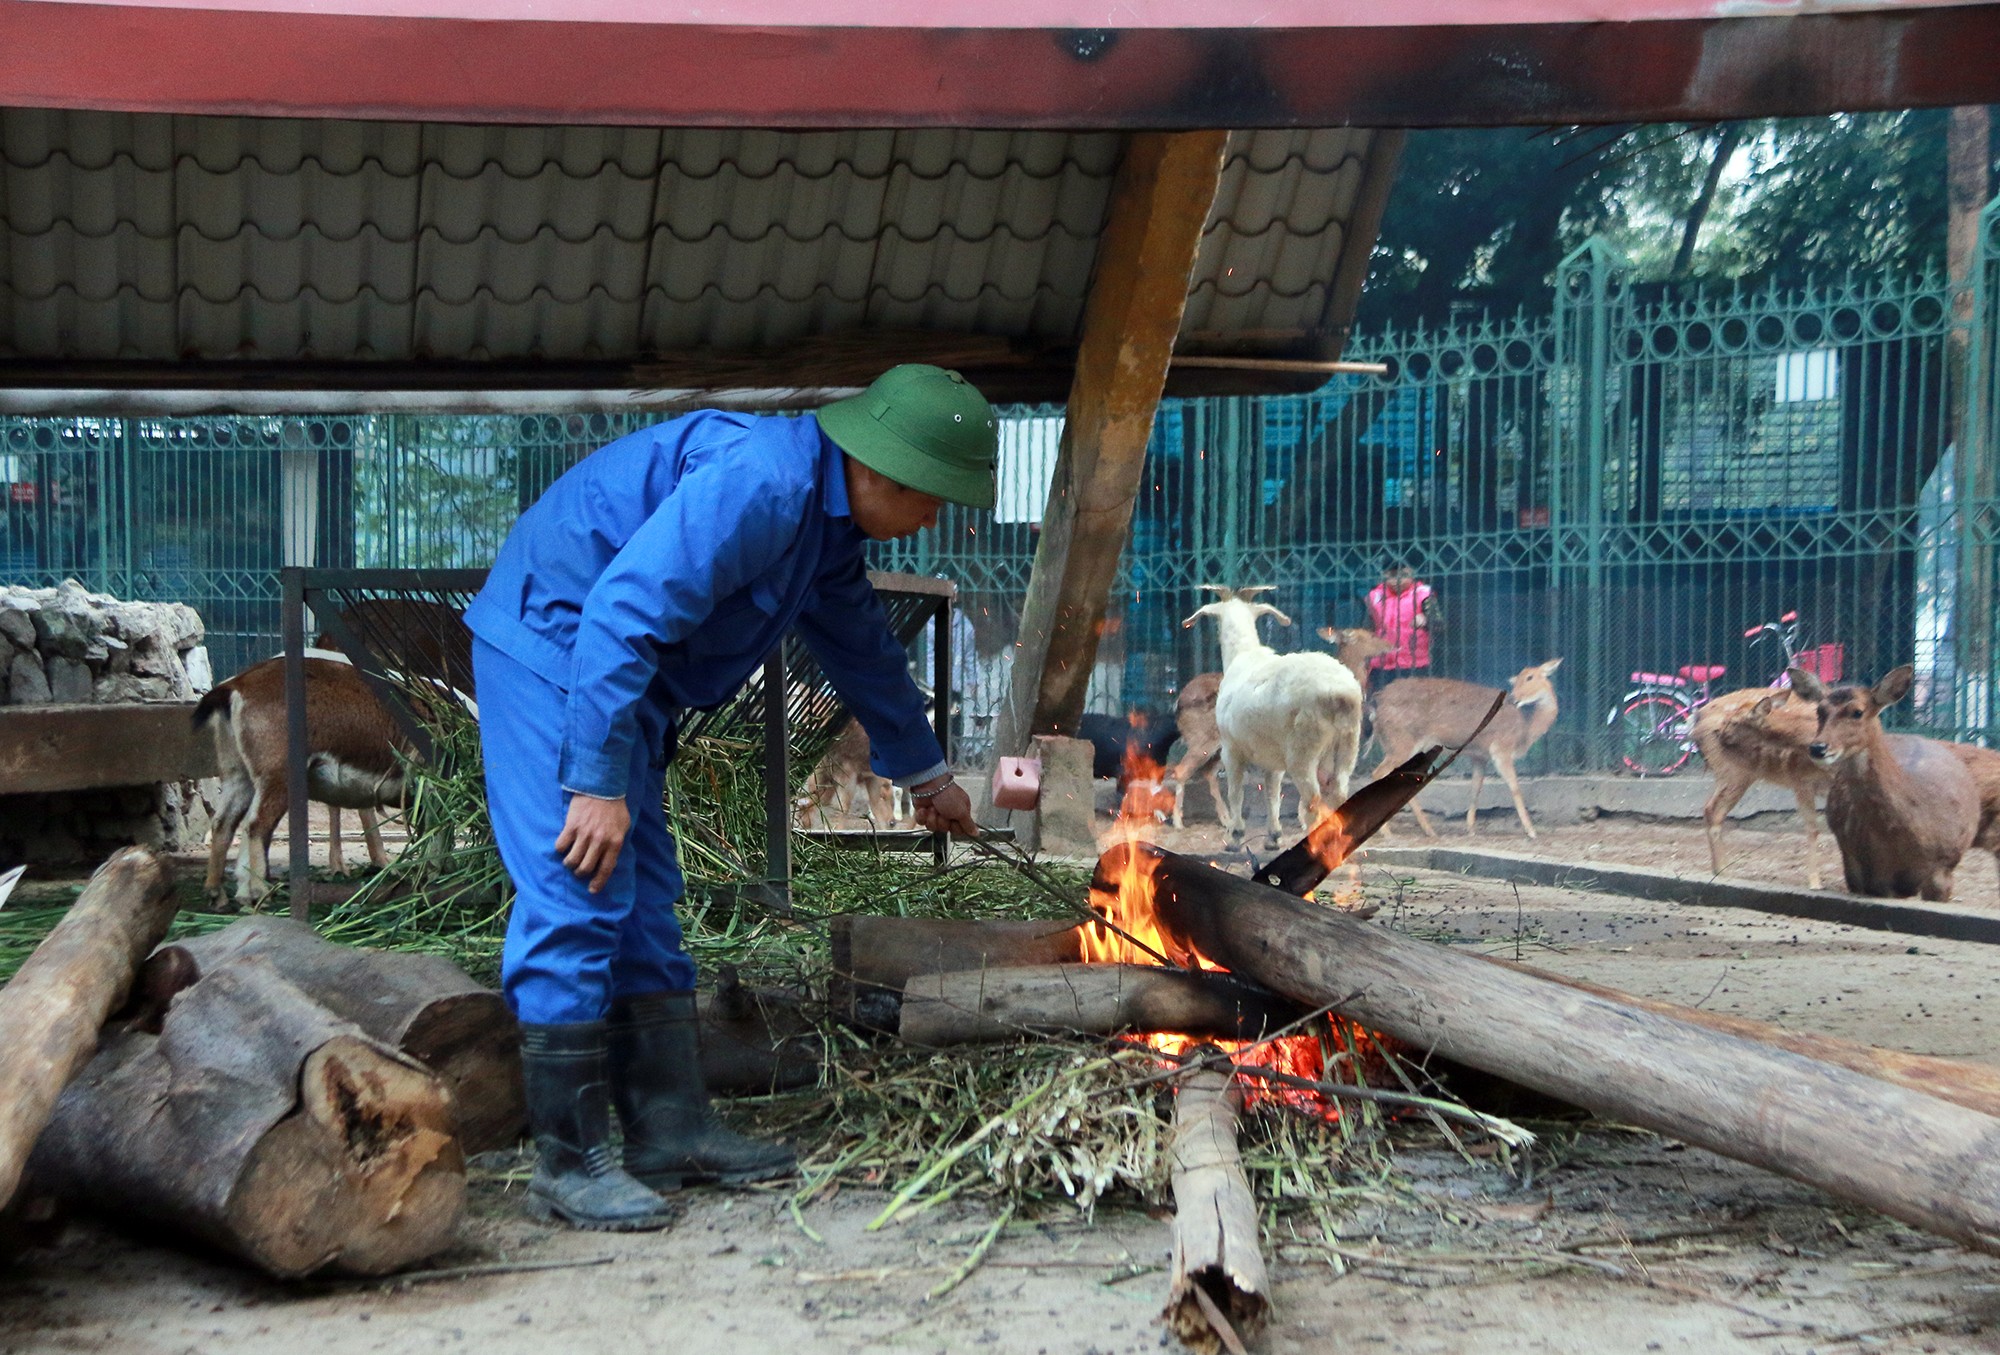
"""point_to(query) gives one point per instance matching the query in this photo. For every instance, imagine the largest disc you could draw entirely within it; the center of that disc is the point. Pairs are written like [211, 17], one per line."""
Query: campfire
[1234, 988]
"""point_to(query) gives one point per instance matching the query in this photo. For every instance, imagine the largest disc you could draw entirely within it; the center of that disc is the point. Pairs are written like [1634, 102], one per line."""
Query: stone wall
[70, 646]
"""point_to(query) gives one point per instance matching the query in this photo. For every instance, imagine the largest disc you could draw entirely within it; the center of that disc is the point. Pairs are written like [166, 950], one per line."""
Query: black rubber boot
[672, 1135]
[577, 1176]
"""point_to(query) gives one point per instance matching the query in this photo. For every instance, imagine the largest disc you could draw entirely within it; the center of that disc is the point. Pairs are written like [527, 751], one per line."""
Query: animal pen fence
[1629, 481]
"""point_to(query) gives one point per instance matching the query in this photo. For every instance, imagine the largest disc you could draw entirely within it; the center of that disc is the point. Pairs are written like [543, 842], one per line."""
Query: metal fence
[1629, 481]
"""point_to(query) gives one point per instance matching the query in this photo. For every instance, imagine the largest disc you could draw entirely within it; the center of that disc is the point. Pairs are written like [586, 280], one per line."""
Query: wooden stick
[1218, 1297]
[52, 1009]
[976, 1005]
[1917, 1158]
[1280, 364]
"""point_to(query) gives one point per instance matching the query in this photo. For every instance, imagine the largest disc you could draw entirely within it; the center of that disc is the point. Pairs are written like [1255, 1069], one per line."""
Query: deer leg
[1472, 808]
[371, 832]
[1230, 808]
[1505, 766]
[1809, 816]
[1728, 790]
[336, 858]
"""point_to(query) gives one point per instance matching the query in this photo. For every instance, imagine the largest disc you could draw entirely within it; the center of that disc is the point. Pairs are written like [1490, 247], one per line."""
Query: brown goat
[1760, 735]
[1904, 809]
[352, 761]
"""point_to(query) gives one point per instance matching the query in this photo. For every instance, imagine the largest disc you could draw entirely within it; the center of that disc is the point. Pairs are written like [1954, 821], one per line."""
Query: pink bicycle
[1655, 720]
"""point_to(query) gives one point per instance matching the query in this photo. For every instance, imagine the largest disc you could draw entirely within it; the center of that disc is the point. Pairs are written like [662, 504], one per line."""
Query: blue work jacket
[665, 566]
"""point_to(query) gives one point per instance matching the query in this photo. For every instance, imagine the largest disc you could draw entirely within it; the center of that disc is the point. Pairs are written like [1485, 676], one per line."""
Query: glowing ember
[1130, 933]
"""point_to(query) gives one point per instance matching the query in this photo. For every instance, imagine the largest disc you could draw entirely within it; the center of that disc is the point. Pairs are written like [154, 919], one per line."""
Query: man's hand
[593, 834]
[949, 811]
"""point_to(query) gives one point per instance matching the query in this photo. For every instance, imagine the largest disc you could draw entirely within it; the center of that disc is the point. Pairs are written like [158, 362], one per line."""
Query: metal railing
[1630, 480]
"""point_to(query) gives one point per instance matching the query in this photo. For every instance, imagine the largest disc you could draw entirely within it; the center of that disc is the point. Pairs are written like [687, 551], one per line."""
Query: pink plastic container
[1017, 783]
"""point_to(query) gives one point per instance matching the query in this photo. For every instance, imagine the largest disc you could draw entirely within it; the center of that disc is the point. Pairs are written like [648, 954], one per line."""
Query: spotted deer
[1760, 735]
[1418, 712]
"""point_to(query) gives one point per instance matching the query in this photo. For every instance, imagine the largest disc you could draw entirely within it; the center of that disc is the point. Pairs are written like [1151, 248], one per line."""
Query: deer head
[1531, 686]
[1850, 717]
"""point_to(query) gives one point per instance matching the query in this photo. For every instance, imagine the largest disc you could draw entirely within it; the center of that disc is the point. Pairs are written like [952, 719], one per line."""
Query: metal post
[298, 829]
[777, 791]
[941, 704]
[1977, 660]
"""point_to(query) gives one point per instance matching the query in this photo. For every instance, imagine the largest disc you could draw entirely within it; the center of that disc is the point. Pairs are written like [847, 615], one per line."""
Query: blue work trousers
[570, 952]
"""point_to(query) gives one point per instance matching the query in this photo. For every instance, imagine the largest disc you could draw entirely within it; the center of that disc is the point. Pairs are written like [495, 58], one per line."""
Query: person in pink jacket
[1404, 612]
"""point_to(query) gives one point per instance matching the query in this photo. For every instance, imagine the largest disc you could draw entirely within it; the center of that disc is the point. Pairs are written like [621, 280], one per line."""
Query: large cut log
[1925, 1161]
[1218, 1271]
[974, 1005]
[874, 956]
[423, 1005]
[1972, 1085]
[259, 1122]
[52, 1009]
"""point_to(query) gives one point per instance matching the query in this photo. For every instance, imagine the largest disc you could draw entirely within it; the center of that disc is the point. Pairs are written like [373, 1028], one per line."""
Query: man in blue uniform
[652, 579]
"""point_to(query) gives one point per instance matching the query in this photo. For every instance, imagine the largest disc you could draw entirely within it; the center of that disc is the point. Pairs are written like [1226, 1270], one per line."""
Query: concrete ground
[1624, 1241]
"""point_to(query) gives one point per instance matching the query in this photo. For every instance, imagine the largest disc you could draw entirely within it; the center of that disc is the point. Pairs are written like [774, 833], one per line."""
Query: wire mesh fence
[1630, 481]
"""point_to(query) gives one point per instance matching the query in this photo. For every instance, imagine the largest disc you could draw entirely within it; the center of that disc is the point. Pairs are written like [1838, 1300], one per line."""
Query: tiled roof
[162, 238]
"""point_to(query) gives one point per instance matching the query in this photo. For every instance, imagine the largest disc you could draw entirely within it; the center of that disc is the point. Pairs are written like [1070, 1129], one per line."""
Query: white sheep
[1297, 713]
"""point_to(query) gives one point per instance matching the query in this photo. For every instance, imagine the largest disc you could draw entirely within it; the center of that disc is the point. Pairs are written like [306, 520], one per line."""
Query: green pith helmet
[923, 427]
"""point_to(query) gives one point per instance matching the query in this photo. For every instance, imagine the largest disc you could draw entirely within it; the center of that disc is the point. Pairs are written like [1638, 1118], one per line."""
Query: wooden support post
[1145, 258]
[298, 817]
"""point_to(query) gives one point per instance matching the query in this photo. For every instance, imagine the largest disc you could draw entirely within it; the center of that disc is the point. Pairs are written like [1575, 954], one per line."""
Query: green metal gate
[1629, 481]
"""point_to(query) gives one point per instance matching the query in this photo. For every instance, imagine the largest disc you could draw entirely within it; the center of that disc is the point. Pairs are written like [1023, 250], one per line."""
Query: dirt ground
[1621, 1242]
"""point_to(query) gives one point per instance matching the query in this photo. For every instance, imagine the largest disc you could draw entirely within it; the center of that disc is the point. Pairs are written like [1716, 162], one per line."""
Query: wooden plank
[1145, 258]
[56, 748]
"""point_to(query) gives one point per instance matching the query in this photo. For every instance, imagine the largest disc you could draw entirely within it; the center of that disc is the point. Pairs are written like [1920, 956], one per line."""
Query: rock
[17, 622]
[27, 682]
[132, 687]
[68, 625]
[183, 625]
[200, 674]
[69, 680]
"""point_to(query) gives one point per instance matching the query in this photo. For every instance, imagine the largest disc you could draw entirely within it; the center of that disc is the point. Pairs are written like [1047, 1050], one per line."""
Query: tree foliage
[1481, 217]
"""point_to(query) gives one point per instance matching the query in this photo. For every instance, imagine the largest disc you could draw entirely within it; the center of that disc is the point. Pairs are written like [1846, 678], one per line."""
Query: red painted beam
[460, 60]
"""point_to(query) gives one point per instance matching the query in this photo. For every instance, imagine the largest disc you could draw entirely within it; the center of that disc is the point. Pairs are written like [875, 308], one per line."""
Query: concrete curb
[1943, 921]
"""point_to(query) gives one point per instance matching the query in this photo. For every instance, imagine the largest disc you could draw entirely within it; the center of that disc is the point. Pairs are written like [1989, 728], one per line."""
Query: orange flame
[1129, 932]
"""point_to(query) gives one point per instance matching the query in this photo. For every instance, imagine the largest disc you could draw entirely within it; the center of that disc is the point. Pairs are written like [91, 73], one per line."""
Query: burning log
[422, 1005]
[975, 1005]
[1912, 1156]
[873, 957]
[1218, 1295]
[52, 1009]
[261, 1123]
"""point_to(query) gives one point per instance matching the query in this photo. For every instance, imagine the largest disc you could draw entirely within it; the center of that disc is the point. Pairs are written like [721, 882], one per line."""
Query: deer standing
[1760, 735]
[1904, 809]
[1417, 712]
[1296, 713]
[352, 762]
[1356, 646]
